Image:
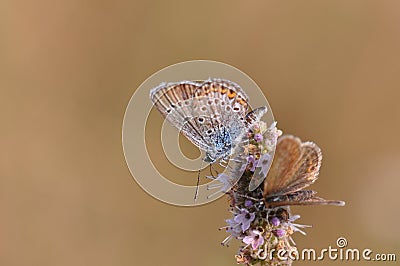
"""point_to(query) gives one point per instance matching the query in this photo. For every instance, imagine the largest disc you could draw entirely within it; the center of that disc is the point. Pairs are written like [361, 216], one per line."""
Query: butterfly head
[209, 158]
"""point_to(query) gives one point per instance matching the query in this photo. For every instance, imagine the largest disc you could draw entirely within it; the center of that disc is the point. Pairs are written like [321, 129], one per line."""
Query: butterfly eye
[236, 109]
[201, 120]
[209, 132]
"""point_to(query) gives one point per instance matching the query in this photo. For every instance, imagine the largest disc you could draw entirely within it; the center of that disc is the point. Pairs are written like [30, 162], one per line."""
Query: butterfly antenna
[198, 182]
[215, 170]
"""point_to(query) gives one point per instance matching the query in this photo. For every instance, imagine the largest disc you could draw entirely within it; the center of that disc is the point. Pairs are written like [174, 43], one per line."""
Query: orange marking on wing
[241, 101]
[231, 94]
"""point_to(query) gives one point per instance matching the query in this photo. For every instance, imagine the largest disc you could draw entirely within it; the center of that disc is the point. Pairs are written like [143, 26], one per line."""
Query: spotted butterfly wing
[211, 113]
[295, 166]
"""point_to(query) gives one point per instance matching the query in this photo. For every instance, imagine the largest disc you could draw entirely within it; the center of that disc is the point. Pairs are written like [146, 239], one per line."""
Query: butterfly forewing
[306, 168]
[286, 160]
[206, 112]
[167, 95]
[295, 166]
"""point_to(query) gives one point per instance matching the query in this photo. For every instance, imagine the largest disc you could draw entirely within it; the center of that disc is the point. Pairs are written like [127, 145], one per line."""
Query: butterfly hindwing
[295, 166]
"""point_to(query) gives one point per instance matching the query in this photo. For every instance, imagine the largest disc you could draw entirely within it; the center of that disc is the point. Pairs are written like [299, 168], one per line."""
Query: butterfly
[295, 166]
[213, 114]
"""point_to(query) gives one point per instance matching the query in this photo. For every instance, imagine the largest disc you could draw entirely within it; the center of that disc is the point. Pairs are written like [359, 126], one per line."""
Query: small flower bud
[258, 137]
[275, 221]
[279, 232]
[248, 203]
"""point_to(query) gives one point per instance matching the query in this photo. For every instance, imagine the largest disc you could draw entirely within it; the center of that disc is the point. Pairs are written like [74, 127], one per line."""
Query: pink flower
[233, 227]
[253, 161]
[255, 239]
[244, 218]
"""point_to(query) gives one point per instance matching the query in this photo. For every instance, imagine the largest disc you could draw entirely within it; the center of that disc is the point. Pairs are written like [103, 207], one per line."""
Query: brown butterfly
[295, 166]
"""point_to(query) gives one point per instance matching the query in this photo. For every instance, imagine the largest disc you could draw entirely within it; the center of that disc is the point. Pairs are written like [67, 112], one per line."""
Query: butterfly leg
[247, 197]
[226, 162]
[216, 193]
[197, 186]
[215, 170]
[221, 163]
[268, 213]
[213, 185]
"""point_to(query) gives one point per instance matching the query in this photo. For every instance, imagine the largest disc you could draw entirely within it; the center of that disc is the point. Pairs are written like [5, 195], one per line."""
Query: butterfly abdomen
[297, 196]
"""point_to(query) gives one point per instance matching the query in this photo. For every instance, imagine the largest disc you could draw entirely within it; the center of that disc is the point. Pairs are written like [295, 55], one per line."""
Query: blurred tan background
[330, 70]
